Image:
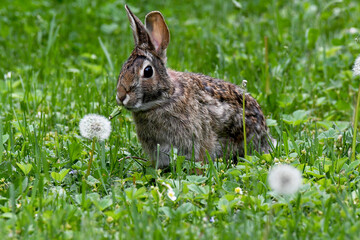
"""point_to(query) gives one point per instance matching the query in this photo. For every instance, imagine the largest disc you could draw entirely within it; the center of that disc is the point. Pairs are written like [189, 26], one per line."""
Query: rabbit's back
[224, 103]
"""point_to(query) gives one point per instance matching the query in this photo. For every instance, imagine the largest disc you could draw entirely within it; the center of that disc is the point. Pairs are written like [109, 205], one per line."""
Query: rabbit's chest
[170, 127]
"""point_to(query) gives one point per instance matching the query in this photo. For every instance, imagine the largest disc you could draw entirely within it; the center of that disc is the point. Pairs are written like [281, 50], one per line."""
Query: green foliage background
[64, 58]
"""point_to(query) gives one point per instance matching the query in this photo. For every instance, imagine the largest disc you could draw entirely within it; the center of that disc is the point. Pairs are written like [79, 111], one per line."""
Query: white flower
[238, 191]
[284, 179]
[353, 30]
[95, 126]
[171, 194]
[7, 75]
[356, 68]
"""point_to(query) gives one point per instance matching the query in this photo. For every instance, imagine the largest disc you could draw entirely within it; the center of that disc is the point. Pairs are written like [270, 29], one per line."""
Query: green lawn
[59, 60]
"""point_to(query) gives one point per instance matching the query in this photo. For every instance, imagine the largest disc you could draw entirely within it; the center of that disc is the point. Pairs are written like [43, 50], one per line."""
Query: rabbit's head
[143, 82]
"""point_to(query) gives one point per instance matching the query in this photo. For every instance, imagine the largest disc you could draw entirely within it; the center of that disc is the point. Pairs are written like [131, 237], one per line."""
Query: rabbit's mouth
[118, 101]
[141, 107]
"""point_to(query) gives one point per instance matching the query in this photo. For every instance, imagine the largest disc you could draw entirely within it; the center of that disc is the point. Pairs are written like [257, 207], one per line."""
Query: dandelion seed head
[356, 68]
[284, 179]
[244, 83]
[95, 126]
[171, 194]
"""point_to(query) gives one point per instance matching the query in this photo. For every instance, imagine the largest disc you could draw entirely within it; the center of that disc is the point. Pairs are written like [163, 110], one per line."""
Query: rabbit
[191, 112]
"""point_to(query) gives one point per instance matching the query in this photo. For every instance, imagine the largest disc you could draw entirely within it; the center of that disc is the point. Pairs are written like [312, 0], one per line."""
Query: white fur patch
[126, 100]
[138, 104]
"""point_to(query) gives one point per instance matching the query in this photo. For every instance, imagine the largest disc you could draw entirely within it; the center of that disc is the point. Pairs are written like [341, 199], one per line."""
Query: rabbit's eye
[148, 72]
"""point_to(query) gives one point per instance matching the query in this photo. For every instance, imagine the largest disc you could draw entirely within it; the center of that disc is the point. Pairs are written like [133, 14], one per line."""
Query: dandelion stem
[355, 125]
[91, 157]
[267, 76]
[244, 127]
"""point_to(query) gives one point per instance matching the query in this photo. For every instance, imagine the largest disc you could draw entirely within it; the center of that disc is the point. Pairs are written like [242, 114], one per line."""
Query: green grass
[64, 58]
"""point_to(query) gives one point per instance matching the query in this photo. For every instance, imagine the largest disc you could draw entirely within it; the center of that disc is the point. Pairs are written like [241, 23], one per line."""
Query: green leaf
[329, 134]
[59, 177]
[185, 208]
[92, 181]
[230, 186]
[234, 171]
[198, 189]
[271, 122]
[63, 173]
[140, 193]
[179, 161]
[8, 215]
[75, 150]
[297, 117]
[353, 165]
[103, 203]
[340, 162]
[167, 211]
[312, 34]
[196, 179]
[223, 204]
[5, 137]
[26, 168]
[212, 168]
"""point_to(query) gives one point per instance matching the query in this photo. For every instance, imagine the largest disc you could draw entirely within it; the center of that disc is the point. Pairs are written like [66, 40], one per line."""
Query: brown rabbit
[191, 112]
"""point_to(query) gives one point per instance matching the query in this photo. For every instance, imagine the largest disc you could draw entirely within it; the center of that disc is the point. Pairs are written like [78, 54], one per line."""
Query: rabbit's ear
[159, 32]
[141, 36]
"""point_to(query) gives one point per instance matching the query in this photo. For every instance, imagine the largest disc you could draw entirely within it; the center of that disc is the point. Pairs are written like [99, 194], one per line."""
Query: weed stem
[355, 125]
[91, 157]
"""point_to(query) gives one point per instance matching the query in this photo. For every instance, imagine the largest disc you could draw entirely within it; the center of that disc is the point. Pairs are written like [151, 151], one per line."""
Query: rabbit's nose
[120, 94]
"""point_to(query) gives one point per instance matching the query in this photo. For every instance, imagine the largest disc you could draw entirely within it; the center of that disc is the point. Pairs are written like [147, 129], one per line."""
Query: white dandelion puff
[171, 194]
[95, 126]
[238, 191]
[244, 83]
[284, 179]
[356, 68]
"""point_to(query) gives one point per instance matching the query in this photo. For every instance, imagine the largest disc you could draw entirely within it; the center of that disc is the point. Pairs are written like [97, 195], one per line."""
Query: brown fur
[191, 112]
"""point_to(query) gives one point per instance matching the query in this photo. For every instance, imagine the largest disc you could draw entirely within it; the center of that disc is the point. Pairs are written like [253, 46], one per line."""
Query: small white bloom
[95, 126]
[171, 194]
[238, 191]
[7, 75]
[353, 30]
[284, 179]
[212, 219]
[337, 11]
[356, 68]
